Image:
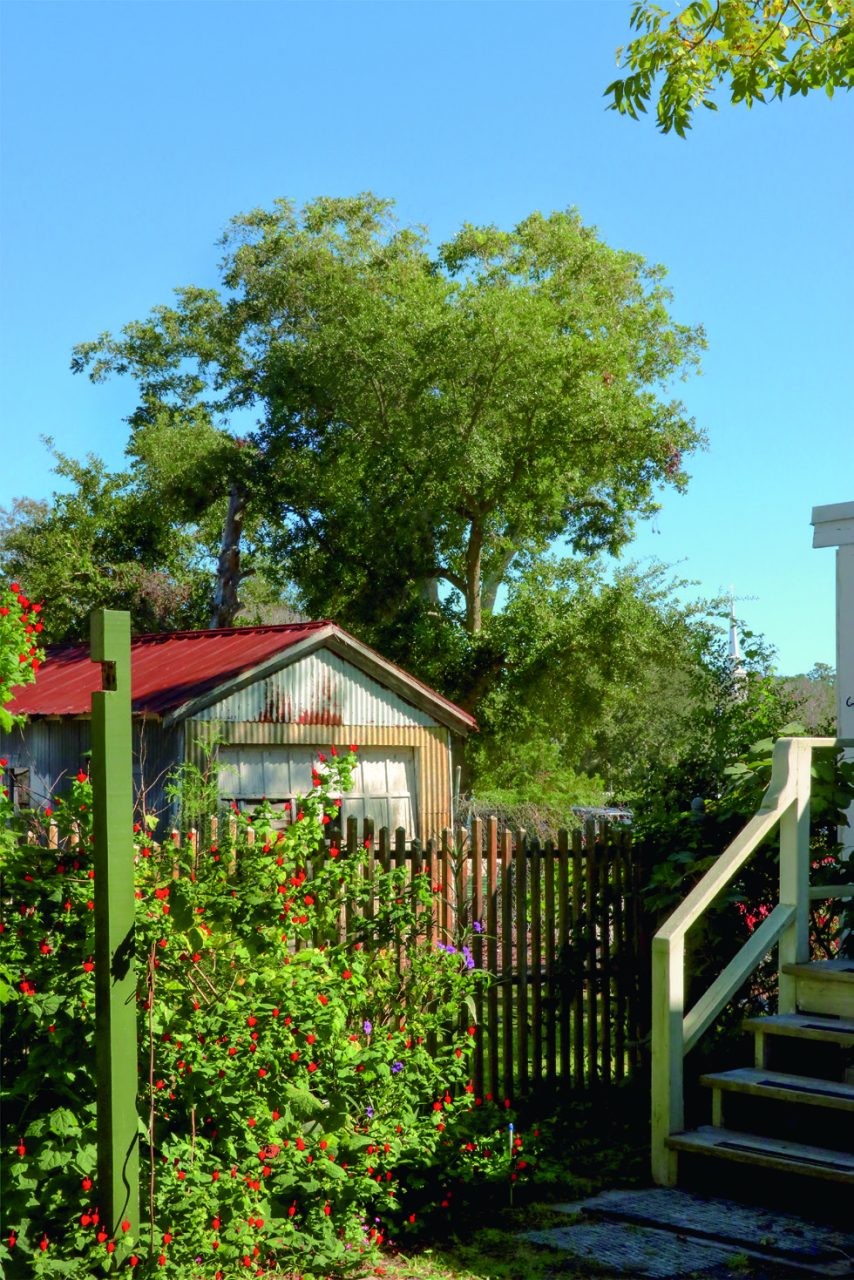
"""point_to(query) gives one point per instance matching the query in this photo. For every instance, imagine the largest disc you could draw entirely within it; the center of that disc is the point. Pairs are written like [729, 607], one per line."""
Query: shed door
[384, 789]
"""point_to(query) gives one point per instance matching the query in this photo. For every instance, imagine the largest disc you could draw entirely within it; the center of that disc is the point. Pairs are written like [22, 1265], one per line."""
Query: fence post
[668, 1005]
[795, 869]
[115, 974]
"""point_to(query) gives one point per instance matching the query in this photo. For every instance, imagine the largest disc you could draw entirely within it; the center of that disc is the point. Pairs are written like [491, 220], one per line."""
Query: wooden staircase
[781, 1090]
[800, 1088]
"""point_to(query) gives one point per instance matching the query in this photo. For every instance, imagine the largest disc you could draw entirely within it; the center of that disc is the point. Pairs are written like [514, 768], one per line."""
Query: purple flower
[367, 1027]
[369, 1112]
[477, 926]
[395, 1067]
[469, 958]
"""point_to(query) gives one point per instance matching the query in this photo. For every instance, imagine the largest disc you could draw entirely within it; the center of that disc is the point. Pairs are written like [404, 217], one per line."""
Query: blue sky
[132, 132]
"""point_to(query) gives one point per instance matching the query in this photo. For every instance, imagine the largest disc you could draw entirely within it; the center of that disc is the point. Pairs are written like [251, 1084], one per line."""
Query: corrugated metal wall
[429, 742]
[53, 750]
[320, 689]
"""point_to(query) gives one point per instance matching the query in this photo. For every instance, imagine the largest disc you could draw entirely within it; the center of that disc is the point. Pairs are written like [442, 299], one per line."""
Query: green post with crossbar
[115, 973]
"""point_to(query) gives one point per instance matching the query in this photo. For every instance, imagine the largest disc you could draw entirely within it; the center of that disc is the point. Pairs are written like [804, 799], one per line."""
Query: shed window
[19, 787]
[384, 782]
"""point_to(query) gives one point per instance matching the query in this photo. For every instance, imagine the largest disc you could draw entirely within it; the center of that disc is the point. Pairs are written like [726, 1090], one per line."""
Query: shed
[271, 697]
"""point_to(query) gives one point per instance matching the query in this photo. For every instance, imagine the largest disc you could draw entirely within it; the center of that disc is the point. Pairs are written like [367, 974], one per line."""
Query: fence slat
[431, 870]
[550, 1002]
[590, 852]
[578, 1036]
[492, 917]
[522, 959]
[383, 857]
[462, 917]
[563, 952]
[507, 962]
[400, 867]
[536, 964]
[369, 864]
[605, 852]
[620, 972]
[446, 879]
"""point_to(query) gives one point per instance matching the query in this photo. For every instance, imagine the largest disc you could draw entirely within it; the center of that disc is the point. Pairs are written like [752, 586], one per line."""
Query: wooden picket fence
[560, 927]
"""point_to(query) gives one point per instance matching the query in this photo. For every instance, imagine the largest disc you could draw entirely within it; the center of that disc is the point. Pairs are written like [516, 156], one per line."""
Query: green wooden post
[115, 974]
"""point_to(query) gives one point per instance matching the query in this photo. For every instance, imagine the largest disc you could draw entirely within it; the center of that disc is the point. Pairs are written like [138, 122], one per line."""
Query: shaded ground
[503, 1251]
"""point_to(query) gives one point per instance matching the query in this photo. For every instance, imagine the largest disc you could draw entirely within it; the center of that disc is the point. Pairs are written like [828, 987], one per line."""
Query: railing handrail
[779, 795]
[786, 801]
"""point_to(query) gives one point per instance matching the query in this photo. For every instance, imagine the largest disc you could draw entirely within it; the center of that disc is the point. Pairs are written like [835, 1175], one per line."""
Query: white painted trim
[833, 524]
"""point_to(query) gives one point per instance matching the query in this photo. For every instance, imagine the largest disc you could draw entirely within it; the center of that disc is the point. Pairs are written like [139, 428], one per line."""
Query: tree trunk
[474, 552]
[228, 576]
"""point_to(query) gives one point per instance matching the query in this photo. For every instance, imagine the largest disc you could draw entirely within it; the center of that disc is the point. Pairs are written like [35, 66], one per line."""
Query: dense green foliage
[295, 1104]
[760, 49]
[425, 417]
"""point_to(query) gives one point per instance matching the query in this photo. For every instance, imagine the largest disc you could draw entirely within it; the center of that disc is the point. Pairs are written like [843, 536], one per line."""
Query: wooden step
[825, 986]
[768, 1153]
[783, 1087]
[804, 1026]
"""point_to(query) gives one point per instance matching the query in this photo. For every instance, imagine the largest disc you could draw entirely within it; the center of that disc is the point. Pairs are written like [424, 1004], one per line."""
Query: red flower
[22, 1150]
[323, 999]
[87, 1184]
[88, 965]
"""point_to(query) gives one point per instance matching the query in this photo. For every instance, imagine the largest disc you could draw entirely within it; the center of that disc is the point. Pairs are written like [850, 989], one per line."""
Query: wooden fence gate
[561, 928]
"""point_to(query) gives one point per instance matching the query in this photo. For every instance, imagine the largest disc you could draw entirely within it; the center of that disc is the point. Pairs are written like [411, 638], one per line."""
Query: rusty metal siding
[320, 689]
[429, 742]
[53, 750]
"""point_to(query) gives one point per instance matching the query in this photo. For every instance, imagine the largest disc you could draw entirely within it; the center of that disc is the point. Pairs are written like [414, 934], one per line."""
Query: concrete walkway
[667, 1234]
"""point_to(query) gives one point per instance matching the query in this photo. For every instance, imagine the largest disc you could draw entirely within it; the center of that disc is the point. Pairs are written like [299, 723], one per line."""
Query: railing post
[668, 1008]
[115, 975]
[794, 945]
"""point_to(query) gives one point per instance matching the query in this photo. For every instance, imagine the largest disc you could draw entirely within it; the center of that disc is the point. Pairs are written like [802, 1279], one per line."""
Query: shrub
[20, 654]
[303, 1051]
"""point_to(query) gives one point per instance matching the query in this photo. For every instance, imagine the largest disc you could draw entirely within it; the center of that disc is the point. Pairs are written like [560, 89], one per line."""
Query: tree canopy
[421, 418]
[760, 49]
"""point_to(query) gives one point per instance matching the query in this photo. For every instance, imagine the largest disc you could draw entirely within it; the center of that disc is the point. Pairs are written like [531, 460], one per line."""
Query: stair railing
[675, 1031]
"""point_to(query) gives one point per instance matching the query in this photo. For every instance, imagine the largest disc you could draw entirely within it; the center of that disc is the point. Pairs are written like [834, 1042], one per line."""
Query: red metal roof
[172, 668]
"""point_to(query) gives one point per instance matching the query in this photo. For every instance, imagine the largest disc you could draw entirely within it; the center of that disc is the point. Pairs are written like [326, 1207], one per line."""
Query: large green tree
[419, 418]
[759, 49]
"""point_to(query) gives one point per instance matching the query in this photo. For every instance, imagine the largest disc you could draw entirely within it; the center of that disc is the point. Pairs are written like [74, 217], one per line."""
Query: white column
[834, 527]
